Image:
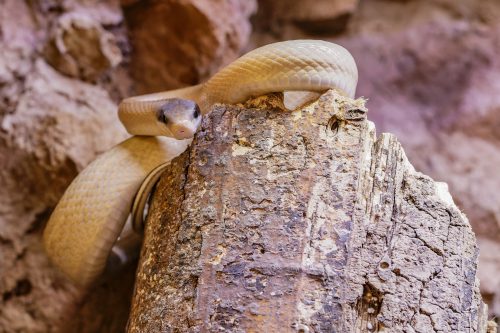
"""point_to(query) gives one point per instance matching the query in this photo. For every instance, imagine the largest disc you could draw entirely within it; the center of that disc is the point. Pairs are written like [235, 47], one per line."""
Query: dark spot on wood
[23, 287]
[368, 307]
[384, 265]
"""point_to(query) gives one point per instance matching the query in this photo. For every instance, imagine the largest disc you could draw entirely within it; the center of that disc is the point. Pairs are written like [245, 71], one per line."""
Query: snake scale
[90, 216]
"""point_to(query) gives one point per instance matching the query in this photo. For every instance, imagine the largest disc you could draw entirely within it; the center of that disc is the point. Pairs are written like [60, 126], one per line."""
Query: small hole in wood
[333, 124]
[384, 265]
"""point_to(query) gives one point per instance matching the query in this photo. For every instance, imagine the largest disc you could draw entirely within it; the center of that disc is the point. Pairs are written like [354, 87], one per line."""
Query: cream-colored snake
[89, 218]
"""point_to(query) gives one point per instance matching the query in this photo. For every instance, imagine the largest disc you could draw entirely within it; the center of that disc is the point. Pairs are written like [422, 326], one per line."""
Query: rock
[178, 43]
[80, 47]
[489, 264]
[58, 127]
[429, 69]
[107, 13]
[313, 16]
[54, 119]
[59, 123]
[51, 126]
[18, 42]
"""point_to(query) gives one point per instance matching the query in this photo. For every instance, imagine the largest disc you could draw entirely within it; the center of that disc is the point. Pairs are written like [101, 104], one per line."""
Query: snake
[87, 223]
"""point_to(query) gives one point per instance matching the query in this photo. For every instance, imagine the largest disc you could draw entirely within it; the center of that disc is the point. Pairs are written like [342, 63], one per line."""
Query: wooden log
[303, 222]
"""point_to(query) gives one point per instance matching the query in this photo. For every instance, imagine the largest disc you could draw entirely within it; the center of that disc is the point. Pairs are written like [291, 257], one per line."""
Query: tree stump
[303, 222]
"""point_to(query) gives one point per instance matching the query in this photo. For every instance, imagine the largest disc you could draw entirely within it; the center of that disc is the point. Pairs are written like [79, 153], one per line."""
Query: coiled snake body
[89, 217]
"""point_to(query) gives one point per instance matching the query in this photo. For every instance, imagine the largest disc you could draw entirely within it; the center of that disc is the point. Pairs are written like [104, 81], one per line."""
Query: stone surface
[81, 47]
[313, 16]
[489, 263]
[179, 43]
[51, 126]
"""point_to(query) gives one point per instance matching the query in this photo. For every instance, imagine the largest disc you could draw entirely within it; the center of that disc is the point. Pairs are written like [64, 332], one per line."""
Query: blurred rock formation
[429, 69]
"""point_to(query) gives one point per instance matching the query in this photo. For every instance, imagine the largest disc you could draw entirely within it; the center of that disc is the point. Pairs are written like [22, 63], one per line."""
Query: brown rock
[314, 16]
[489, 264]
[58, 126]
[80, 47]
[51, 126]
[59, 123]
[178, 43]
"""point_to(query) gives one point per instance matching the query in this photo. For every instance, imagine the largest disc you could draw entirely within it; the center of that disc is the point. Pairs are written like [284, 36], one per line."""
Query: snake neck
[197, 93]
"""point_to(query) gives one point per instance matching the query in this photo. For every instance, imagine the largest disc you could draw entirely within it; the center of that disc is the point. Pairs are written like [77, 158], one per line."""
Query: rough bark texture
[431, 73]
[303, 222]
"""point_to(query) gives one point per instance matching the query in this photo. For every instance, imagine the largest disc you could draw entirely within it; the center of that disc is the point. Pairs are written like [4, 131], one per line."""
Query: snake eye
[196, 112]
[162, 117]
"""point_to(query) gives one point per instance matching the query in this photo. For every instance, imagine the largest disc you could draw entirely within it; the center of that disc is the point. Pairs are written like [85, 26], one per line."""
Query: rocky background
[65, 64]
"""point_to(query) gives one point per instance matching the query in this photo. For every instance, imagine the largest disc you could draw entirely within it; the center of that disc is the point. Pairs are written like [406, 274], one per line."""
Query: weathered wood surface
[303, 222]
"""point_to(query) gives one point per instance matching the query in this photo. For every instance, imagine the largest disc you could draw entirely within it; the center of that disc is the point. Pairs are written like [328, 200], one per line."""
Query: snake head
[181, 116]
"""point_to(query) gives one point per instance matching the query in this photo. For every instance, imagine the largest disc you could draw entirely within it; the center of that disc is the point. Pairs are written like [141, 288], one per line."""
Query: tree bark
[303, 222]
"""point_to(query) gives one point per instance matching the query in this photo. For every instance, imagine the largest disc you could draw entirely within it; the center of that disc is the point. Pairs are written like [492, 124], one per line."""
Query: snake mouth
[183, 130]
